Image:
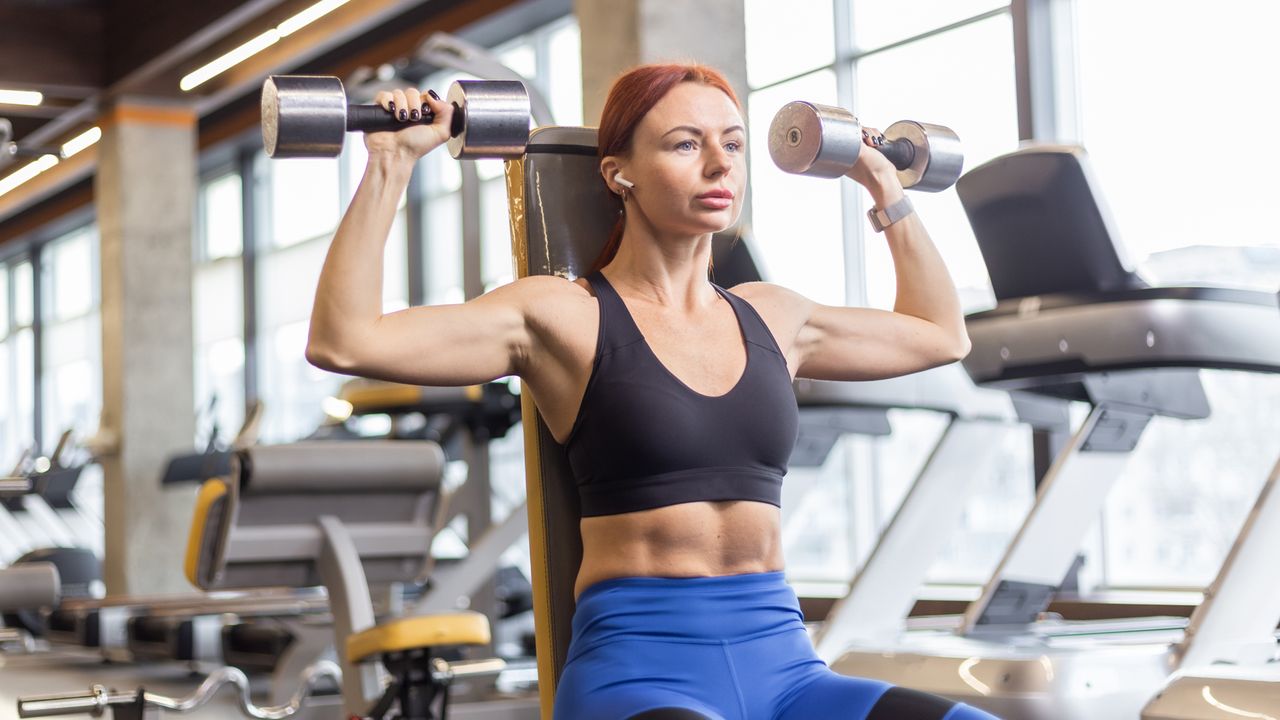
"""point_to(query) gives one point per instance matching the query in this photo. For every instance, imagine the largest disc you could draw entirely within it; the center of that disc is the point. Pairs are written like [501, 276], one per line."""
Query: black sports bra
[643, 439]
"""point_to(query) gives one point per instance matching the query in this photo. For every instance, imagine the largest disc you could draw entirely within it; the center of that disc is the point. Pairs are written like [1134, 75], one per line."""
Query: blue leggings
[722, 648]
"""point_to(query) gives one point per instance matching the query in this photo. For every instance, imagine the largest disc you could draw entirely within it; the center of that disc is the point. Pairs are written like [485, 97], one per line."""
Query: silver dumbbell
[823, 141]
[308, 116]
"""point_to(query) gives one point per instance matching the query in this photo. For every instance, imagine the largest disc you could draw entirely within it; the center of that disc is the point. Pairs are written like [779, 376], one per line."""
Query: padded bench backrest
[258, 526]
[1042, 225]
[561, 214]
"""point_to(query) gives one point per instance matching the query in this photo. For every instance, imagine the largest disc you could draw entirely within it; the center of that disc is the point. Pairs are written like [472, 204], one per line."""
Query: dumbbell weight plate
[493, 120]
[309, 111]
[818, 140]
[939, 158]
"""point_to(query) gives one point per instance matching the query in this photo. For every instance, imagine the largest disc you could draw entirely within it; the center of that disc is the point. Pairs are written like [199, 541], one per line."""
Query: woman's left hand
[873, 170]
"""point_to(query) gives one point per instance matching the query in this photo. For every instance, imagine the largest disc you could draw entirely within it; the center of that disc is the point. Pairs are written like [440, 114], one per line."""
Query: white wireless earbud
[623, 181]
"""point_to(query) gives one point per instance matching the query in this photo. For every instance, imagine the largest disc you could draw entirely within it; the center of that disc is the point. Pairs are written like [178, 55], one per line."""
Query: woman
[682, 608]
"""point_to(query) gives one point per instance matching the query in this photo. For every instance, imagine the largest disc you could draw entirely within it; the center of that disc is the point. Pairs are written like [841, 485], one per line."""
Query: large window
[1180, 223]
[962, 78]
[71, 384]
[941, 62]
[1173, 515]
[1172, 518]
[464, 215]
[67, 386]
[17, 361]
[217, 301]
[550, 59]
[302, 198]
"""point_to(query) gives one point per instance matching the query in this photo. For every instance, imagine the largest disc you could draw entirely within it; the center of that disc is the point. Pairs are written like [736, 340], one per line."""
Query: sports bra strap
[753, 328]
[616, 326]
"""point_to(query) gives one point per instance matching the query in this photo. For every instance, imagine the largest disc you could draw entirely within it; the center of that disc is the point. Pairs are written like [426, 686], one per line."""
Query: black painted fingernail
[392, 107]
[415, 115]
[433, 95]
[404, 114]
[425, 109]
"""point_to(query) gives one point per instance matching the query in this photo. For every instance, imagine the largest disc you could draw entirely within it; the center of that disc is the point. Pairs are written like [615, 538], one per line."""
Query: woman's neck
[669, 271]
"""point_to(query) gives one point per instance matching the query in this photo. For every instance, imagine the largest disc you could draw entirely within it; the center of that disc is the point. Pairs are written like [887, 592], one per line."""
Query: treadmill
[1229, 661]
[884, 590]
[1073, 322]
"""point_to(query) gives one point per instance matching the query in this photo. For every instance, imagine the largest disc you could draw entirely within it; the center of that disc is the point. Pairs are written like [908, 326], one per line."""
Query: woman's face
[688, 162]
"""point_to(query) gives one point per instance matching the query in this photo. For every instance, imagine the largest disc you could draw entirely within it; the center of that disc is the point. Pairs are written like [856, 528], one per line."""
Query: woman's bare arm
[925, 329]
[445, 345]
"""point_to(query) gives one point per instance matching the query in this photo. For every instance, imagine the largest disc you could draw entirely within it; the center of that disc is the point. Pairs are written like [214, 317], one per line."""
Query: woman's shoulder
[538, 288]
[561, 315]
[549, 299]
[768, 296]
[783, 310]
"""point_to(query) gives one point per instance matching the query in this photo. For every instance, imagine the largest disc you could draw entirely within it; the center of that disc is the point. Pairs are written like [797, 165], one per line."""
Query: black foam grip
[899, 152]
[669, 713]
[372, 118]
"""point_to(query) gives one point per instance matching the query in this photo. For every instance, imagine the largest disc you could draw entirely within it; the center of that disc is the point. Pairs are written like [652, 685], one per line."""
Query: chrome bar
[14, 485]
[99, 698]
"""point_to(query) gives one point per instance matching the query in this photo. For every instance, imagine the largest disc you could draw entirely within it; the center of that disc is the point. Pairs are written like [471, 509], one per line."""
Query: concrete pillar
[617, 34]
[145, 192]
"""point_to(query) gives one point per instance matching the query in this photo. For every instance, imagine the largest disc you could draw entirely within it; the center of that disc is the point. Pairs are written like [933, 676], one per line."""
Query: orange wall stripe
[150, 115]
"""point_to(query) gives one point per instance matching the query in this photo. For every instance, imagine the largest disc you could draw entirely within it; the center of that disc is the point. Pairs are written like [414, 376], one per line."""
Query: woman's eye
[733, 146]
[686, 145]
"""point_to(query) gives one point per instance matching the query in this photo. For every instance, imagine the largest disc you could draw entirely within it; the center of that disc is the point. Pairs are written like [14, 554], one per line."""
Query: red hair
[632, 96]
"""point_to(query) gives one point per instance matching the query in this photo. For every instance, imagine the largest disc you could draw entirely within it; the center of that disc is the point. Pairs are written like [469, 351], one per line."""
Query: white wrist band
[881, 219]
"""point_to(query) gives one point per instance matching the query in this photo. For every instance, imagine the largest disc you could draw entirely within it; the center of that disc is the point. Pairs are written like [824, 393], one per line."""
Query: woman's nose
[719, 161]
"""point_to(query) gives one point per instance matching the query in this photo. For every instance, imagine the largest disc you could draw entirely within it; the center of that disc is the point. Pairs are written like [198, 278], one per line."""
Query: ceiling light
[260, 43]
[231, 59]
[26, 172]
[308, 16]
[81, 141]
[21, 97]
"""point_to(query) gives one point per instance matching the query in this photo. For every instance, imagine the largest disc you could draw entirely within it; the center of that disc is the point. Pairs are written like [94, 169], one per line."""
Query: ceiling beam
[196, 39]
[139, 30]
[309, 45]
[237, 116]
[341, 26]
[44, 47]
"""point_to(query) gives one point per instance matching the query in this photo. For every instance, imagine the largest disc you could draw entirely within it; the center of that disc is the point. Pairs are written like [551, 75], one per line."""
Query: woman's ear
[611, 169]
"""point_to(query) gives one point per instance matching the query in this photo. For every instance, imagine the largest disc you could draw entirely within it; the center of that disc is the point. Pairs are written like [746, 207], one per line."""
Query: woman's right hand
[408, 105]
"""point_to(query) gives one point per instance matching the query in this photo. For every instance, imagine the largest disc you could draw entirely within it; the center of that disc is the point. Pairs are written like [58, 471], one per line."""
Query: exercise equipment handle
[372, 118]
[899, 152]
[14, 485]
[99, 698]
[92, 703]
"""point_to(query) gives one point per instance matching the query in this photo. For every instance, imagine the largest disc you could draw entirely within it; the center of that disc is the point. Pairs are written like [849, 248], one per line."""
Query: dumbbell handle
[372, 118]
[899, 152]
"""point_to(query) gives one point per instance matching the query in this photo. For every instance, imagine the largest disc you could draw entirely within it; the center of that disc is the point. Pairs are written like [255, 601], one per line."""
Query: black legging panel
[669, 714]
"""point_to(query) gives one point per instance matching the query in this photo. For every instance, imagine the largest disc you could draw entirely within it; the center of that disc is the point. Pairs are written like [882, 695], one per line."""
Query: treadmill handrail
[1016, 306]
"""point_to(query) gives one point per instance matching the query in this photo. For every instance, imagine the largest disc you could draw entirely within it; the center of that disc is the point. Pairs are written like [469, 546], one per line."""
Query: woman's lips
[716, 199]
